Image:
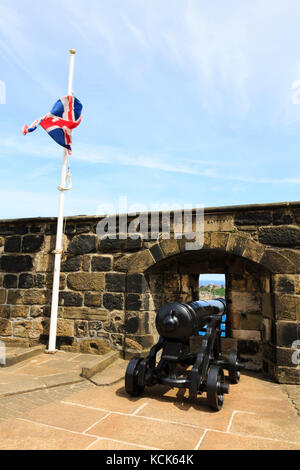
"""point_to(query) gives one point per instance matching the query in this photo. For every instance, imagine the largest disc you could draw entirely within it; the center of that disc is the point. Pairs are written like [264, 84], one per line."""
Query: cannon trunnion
[178, 366]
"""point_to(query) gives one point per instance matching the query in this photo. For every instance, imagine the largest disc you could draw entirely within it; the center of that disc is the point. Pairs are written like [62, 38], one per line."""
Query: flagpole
[59, 232]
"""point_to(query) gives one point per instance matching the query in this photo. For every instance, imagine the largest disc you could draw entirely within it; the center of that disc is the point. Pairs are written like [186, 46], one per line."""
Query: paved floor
[257, 414]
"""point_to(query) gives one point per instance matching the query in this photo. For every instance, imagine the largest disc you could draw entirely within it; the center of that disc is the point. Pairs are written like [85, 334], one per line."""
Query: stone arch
[232, 243]
[256, 307]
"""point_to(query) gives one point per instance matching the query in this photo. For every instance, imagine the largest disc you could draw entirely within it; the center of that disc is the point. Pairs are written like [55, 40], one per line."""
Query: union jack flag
[60, 122]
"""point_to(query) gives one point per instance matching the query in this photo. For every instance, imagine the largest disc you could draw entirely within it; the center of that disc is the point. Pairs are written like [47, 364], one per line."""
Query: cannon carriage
[178, 366]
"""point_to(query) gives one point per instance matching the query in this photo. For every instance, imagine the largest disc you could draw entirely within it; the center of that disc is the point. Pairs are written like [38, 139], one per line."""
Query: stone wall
[110, 290]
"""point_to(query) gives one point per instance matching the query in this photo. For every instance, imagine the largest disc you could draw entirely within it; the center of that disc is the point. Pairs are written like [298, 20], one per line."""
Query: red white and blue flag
[60, 122]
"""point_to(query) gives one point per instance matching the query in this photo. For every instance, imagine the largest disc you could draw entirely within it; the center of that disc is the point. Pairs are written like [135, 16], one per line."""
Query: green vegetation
[213, 289]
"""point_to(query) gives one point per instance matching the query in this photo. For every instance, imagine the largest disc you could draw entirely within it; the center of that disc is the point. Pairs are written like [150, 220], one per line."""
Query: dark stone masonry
[110, 290]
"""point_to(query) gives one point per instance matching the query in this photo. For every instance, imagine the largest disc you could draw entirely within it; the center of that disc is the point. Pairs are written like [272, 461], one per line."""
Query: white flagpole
[59, 233]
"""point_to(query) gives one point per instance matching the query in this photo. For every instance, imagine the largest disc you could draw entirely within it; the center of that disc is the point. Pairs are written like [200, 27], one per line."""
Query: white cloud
[114, 156]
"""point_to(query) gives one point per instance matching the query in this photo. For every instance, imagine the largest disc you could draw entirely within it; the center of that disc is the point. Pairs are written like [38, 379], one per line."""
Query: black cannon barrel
[176, 320]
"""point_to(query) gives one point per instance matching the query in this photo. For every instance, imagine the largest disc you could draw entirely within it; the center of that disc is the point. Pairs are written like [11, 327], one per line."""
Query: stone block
[43, 263]
[139, 323]
[251, 321]
[101, 263]
[140, 262]
[92, 299]
[28, 329]
[12, 229]
[62, 281]
[169, 247]
[115, 322]
[86, 281]
[267, 306]
[108, 245]
[277, 262]
[219, 240]
[283, 235]
[218, 223]
[83, 228]
[81, 328]
[3, 293]
[32, 243]
[65, 327]
[12, 244]
[137, 283]
[70, 299]
[245, 302]
[120, 262]
[19, 311]
[286, 333]
[83, 244]
[286, 306]
[44, 311]
[134, 302]
[253, 251]
[86, 263]
[287, 357]
[117, 341]
[5, 327]
[28, 280]
[85, 313]
[133, 244]
[10, 281]
[258, 217]
[27, 297]
[247, 335]
[157, 252]
[113, 301]
[248, 347]
[16, 263]
[138, 343]
[4, 311]
[236, 244]
[283, 217]
[95, 327]
[284, 283]
[95, 346]
[115, 282]
[71, 263]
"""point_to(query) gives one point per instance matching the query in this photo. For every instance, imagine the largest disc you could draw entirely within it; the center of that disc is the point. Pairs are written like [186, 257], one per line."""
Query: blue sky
[184, 102]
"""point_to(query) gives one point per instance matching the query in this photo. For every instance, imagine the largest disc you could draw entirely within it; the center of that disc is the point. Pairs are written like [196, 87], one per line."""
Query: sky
[185, 103]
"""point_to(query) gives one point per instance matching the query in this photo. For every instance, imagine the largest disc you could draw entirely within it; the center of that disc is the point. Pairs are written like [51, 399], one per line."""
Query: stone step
[112, 374]
[100, 364]
[11, 356]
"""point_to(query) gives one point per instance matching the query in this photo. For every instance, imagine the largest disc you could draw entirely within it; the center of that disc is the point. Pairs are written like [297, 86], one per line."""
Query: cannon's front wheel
[131, 385]
[216, 387]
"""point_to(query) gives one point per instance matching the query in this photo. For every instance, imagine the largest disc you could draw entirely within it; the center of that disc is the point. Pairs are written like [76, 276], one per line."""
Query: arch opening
[248, 296]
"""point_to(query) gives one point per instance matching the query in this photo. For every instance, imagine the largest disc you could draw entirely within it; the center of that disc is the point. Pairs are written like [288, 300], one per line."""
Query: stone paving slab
[257, 415]
[49, 370]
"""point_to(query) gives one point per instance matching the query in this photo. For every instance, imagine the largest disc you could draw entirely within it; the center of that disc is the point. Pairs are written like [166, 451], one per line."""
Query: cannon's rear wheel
[131, 385]
[234, 374]
[214, 387]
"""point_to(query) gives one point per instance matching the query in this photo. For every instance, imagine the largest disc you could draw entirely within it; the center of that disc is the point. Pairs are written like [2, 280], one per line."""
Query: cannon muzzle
[176, 320]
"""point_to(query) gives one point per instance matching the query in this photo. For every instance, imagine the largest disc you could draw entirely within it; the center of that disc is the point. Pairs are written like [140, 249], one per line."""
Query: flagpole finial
[72, 51]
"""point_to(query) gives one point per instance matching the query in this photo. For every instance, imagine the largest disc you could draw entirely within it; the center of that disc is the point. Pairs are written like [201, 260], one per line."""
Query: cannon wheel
[215, 378]
[131, 386]
[234, 375]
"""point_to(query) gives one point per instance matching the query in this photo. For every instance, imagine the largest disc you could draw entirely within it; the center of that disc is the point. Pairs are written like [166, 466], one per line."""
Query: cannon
[198, 372]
